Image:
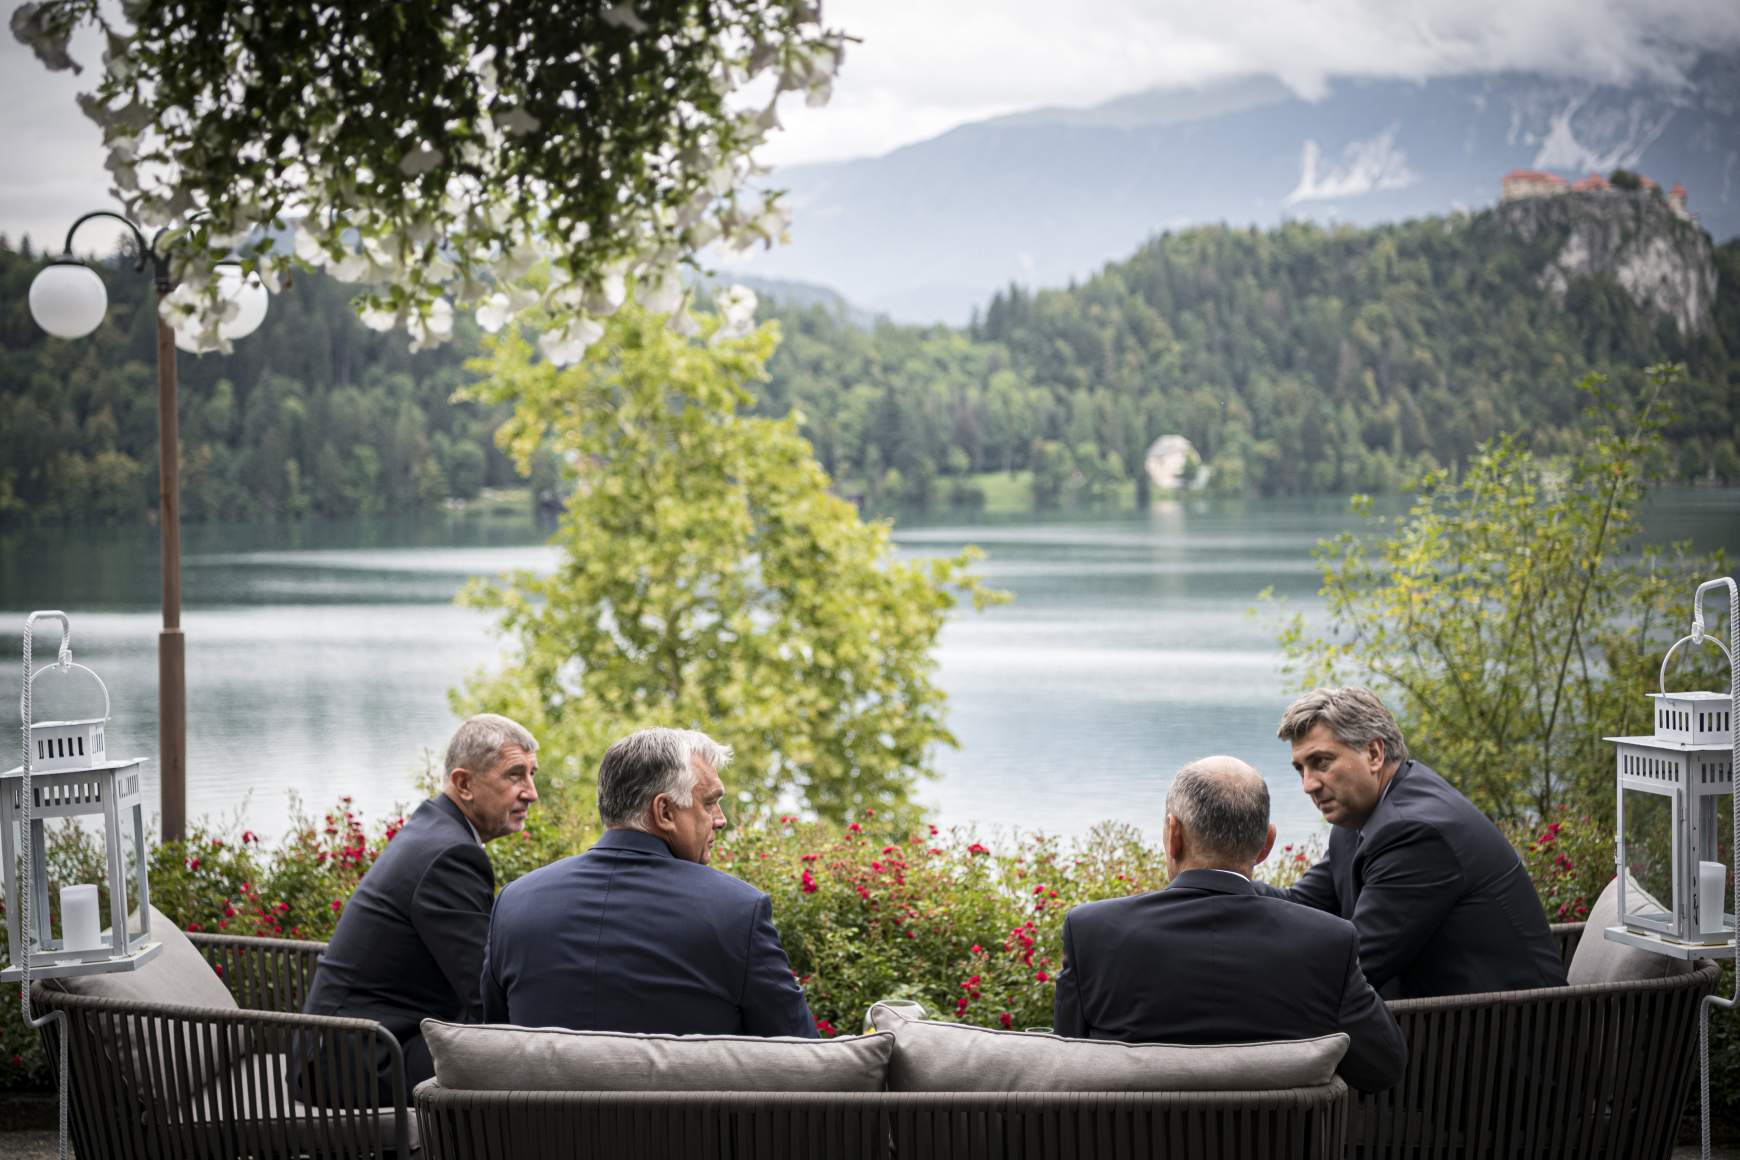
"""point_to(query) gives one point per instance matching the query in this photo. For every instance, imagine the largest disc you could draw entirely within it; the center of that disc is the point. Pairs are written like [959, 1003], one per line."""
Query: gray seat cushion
[1599, 959]
[493, 1057]
[253, 1101]
[953, 1057]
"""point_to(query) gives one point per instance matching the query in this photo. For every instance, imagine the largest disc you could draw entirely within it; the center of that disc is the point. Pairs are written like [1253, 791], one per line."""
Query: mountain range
[927, 232]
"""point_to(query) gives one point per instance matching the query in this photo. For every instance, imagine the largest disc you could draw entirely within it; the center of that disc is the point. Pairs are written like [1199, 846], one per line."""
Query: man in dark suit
[409, 944]
[1210, 960]
[1441, 900]
[639, 933]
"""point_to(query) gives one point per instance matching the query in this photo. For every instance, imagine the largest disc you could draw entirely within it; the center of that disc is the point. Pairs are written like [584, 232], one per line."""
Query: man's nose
[1310, 783]
[531, 791]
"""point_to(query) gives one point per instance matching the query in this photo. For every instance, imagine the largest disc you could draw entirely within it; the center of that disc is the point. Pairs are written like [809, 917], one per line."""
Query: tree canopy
[708, 578]
[1509, 619]
[435, 151]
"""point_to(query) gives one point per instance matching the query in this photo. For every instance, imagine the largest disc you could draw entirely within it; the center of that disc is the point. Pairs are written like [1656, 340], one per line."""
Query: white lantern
[67, 774]
[1676, 819]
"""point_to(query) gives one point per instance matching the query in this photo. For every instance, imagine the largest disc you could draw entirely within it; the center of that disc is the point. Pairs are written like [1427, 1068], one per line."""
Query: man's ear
[659, 812]
[1173, 838]
[460, 780]
[1375, 755]
[1268, 844]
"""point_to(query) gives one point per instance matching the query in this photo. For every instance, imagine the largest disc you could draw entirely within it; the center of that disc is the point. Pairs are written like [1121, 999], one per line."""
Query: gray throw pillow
[494, 1057]
[1598, 959]
[952, 1057]
[177, 974]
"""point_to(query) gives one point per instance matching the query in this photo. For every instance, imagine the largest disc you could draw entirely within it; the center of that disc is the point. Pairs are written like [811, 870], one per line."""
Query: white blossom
[659, 291]
[567, 346]
[622, 15]
[736, 306]
[494, 313]
[515, 122]
[379, 317]
[433, 328]
[30, 27]
[420, 161]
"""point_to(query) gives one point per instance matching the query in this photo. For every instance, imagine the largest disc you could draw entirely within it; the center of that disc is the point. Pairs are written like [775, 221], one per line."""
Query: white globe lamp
[67, 299]
[250, 298]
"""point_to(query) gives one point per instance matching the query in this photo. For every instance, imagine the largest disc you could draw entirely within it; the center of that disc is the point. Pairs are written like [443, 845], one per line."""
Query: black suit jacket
[1441, 900]
[410, 941]
[1210, 960]
[626, 937]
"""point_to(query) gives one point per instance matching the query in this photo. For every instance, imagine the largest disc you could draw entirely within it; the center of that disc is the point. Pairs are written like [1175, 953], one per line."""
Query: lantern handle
[65, 664]
[1694, 637]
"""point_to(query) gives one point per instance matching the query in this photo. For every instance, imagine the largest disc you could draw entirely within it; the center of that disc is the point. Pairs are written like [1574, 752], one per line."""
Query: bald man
[1210, 960]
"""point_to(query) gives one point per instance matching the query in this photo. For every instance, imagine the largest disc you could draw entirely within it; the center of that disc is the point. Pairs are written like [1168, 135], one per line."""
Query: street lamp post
[68, 300]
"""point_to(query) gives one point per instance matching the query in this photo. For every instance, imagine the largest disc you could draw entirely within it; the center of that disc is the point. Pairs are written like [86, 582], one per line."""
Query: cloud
[924, 67]
[1366, 166]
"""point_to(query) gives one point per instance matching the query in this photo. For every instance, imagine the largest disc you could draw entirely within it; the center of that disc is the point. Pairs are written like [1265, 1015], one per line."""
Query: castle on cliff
[1522, 184]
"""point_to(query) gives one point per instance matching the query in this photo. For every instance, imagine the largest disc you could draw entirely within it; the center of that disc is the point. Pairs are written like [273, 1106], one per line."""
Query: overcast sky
[925, 66]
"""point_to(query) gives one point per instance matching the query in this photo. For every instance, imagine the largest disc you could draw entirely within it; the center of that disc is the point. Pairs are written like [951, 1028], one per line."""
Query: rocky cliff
[1662, 261]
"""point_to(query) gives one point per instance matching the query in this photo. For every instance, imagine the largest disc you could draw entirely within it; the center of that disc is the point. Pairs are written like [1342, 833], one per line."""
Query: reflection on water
[320, 656]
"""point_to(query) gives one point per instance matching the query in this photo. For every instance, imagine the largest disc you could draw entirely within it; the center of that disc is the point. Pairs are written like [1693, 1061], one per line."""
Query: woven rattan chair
[1573, 1072]
[1307, 1123]
[159, 1080]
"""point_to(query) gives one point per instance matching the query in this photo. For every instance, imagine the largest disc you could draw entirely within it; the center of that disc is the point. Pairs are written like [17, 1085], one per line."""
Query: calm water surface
[320, 656]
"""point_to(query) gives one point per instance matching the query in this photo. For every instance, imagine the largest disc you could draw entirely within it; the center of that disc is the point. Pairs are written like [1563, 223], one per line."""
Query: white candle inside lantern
[80, 927]
[1712, 881]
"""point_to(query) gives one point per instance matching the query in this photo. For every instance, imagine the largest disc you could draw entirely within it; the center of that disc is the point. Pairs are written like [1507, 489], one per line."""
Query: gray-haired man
[638, 933]
[1209, 959]
[1441, 900]
[410, 941]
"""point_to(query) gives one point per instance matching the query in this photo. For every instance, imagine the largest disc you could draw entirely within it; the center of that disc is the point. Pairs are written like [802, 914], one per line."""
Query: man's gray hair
[643, 765]
[1223, 805]
[1354, 715]
[478, 743]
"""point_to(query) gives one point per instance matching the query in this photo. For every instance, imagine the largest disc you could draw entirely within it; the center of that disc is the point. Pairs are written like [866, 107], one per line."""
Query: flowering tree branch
[436, 151]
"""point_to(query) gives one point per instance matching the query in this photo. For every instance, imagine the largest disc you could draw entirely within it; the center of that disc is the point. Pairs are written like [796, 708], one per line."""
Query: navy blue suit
[1441, 900]
[410, 940]
[1211, 960]
[627, 937]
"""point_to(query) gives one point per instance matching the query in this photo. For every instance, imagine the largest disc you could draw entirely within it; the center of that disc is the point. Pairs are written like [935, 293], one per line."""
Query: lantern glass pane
[1716, 833]
[130, 871]
[1649, 856]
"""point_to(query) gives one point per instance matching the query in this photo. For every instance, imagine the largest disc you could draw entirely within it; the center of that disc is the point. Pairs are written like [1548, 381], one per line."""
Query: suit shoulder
[722, 886]
[1112, 910]
[1304, 920]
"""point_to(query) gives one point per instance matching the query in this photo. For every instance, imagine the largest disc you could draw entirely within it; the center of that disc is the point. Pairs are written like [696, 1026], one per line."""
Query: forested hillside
[312, 415]
[1301, 359]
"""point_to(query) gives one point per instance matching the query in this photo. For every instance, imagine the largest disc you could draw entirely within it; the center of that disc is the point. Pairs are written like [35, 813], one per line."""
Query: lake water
[320, 656]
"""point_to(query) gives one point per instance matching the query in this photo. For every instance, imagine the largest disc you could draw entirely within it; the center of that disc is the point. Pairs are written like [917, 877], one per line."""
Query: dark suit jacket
[410, 941]
[1210, 960]
[1441, 900]
[626, 937]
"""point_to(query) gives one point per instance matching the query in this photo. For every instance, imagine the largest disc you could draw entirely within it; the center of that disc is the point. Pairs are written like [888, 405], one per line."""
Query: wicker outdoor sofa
[1591, 1070]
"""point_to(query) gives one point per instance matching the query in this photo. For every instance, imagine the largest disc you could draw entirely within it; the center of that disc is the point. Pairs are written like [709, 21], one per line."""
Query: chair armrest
[1704, 978]
[264, 974]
